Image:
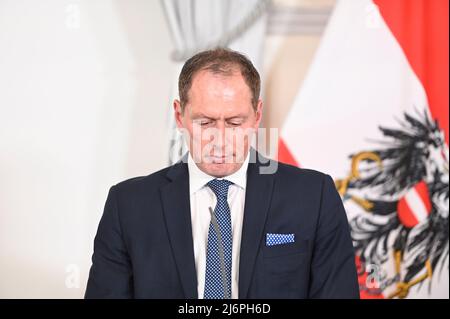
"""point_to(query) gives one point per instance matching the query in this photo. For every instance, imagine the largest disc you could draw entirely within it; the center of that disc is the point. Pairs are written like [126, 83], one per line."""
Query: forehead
[210, 90]
[206, 79]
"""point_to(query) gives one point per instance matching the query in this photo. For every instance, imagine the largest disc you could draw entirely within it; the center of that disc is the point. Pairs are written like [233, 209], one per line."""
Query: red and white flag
[373, 113]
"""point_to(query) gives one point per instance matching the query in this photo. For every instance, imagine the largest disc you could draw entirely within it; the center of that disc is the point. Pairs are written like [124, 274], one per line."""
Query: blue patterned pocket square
[279, 239]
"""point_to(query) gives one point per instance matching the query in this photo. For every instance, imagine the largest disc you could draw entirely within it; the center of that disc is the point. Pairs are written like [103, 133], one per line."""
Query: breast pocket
[285, 258]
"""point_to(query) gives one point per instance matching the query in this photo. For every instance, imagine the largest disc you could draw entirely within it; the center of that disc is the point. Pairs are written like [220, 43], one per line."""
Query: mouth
[220, 159]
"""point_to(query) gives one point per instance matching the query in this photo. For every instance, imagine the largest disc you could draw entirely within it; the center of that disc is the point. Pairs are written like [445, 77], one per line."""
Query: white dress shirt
[202, 197]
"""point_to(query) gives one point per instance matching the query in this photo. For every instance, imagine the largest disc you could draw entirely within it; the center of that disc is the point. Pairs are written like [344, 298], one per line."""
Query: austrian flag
[373, 113]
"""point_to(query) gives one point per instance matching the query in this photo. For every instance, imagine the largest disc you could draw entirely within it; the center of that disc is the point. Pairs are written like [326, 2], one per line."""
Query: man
[224, 222]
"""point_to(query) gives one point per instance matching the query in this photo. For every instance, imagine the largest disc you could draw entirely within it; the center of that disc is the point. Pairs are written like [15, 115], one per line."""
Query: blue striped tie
[220, 243]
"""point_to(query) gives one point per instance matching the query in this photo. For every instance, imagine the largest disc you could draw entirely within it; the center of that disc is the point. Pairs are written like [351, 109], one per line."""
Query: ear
[178, 113]
[259, 107]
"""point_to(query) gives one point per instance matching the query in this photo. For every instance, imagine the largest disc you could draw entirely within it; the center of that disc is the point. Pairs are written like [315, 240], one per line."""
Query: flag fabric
[373, 113]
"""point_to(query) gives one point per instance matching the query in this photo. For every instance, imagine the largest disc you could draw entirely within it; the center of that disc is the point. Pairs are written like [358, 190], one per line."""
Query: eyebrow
[200, 115]
[236, 117]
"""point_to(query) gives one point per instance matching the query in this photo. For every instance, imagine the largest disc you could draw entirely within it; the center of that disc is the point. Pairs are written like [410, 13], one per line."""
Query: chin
[220, 170]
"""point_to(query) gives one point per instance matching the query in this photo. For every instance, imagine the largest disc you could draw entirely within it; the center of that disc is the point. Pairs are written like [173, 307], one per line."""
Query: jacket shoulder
[293, 173]
[139, 183]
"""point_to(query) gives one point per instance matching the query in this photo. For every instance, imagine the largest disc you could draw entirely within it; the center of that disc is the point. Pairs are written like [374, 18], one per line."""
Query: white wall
[84, 89]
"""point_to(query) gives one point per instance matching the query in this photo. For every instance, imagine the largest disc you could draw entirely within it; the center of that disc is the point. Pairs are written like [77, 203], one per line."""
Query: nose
[222, 140]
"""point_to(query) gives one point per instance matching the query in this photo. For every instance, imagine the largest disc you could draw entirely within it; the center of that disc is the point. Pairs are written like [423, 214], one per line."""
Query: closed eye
[205, 123]
[235, 122]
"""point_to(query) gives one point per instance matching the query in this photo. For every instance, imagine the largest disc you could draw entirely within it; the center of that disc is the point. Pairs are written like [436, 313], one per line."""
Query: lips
[218, 159]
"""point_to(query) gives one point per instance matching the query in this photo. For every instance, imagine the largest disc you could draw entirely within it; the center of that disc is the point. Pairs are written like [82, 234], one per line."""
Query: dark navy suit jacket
[144, 248]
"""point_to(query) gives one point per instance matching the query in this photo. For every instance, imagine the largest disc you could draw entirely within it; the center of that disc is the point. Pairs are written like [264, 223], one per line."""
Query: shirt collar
[198, 179]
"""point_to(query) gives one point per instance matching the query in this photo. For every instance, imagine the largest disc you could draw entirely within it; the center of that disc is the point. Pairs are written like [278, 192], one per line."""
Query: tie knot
[220, 187]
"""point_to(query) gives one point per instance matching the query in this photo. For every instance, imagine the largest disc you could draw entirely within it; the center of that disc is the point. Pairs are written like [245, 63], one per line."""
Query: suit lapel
[176, 206]
[258, 196]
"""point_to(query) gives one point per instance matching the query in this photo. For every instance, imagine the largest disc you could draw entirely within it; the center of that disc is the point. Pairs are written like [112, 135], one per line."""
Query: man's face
[219, 118]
